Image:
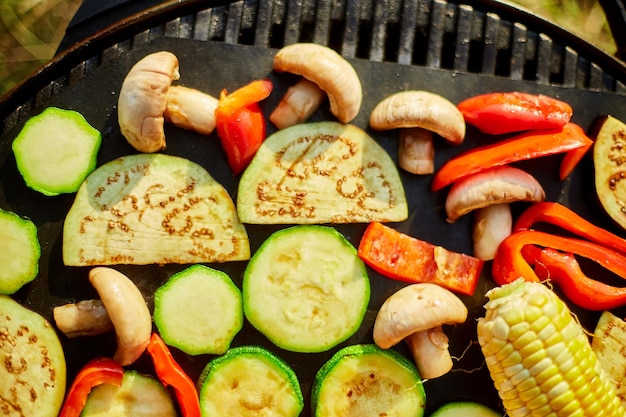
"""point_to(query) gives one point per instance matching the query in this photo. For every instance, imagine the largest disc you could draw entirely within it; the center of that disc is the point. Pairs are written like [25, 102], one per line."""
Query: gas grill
[486, 44]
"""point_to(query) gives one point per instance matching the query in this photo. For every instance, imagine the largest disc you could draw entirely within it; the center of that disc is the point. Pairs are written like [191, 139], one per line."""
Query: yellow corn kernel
[539, 358]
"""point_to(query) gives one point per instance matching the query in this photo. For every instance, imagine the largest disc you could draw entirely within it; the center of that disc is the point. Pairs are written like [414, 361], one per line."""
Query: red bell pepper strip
[240, 123]
[521, 147]
[171, 374]
[558, 215]
[511, 260]
[402, 257]
[563, 269]
[508, 112]
[96, 372]
[571, 160]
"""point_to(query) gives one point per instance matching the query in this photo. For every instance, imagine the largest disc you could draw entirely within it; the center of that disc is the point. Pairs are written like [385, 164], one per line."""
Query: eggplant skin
[33, 374]
[609, 159]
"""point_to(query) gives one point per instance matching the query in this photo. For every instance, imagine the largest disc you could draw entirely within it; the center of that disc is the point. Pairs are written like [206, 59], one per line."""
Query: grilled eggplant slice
[152, 209]
[324, 172]
[33, 372]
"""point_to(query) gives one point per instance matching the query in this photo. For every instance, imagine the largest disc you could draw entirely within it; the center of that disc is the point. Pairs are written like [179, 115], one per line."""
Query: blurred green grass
[31, 30]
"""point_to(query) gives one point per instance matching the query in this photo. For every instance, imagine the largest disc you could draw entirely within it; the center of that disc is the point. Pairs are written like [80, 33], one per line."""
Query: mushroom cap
[495, 185]
[416, 308]
[416, 108]
[329, 70]
[143, 99]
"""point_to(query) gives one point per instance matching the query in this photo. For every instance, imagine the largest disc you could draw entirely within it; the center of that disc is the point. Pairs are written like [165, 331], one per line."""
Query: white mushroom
[415, 108]
[416, 314]
[190, 109]
[143, 98]
[418, 114]
[83, 318]
[128, 312]
[298, 104]
[329, 70]
[496, 185]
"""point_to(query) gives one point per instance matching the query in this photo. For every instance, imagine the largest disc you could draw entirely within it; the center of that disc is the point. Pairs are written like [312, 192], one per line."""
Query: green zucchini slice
[199, 311]
[19, 252]
[306, 289]
[324, 172]
[139, 396]
[33, 372]
[365, 380]
[249, 381]
[465, 409]
[56, 150]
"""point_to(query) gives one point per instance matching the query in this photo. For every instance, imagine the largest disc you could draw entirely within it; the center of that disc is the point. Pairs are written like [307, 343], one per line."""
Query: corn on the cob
[539, 358]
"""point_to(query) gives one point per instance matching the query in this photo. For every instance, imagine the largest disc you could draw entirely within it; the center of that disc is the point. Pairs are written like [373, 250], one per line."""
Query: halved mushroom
[143, 99]
[329, 70]
[127, 310]
[416, 314]
[418, 113]
[83, 318]
[495, 185]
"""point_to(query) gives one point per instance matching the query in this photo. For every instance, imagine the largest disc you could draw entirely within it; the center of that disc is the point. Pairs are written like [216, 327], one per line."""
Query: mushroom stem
[430, 352]
[190, 109]
[84, 318]
[492, 224]
[298, 104]
[416, 152]
[128, 312]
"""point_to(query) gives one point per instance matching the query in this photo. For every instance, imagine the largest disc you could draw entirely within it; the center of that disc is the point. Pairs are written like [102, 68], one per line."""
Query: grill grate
[436, 34]
[432, 33]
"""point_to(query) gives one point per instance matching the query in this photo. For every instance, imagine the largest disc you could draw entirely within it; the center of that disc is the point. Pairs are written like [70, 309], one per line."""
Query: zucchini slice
[324, 172]
[465, 409]
[139, 396]
[56, 150]
[306, 289]
[199, 311]
[33, 372]
[19, 252]
[249, 381]
[365, 380]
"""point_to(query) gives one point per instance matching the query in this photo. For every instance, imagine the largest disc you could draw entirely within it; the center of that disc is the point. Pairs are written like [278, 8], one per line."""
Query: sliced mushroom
[416, 314]
[143, 99]
[329, 70]
[83, 318]
[492, 224]
[496, 185]
[128, 312]
[298, 104]
[423, 109]
[190, 109]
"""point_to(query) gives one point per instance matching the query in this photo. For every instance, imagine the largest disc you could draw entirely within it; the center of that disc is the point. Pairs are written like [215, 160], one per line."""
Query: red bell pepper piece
[240, 123]
[512, 258]
[571, 160]
[524, 146]
[563, 217]
[96, 372]
[564, 270]
[508, 112]
[171, 374]
[402, 257]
